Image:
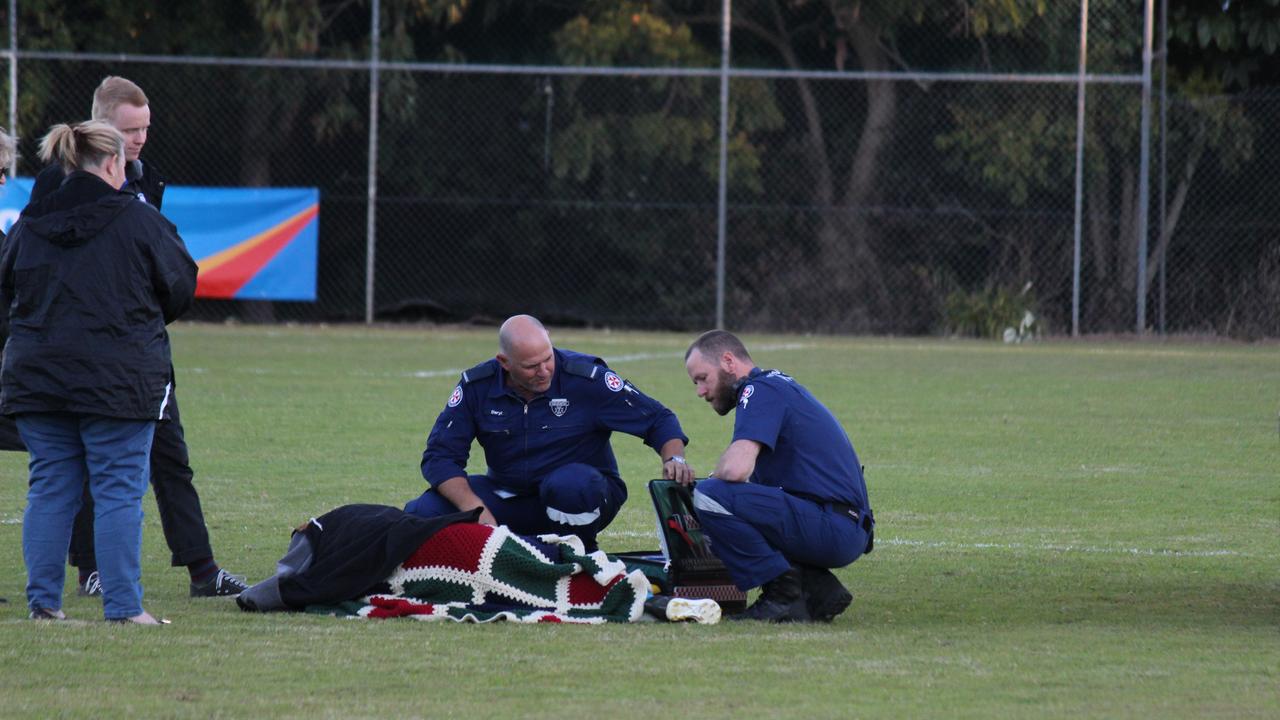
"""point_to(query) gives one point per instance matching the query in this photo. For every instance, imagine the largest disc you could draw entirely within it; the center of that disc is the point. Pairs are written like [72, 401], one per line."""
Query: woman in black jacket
[90, 277]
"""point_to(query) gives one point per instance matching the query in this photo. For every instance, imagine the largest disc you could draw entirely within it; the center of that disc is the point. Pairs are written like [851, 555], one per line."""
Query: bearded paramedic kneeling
[787, 500]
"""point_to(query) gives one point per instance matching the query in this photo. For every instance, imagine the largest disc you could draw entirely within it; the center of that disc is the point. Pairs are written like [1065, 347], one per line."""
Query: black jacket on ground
[90, 277]
[348, 553]
[142, 179]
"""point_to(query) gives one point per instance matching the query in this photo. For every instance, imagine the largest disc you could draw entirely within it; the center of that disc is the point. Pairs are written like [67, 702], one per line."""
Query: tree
[1007, 148]
[846, 146]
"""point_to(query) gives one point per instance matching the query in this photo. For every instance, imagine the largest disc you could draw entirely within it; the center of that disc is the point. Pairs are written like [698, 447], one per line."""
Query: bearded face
[723, 397]
[712, 382]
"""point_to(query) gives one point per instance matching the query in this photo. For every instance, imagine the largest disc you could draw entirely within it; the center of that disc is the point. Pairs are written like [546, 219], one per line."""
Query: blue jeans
[759, 531]
[575, 499]
[113, 454]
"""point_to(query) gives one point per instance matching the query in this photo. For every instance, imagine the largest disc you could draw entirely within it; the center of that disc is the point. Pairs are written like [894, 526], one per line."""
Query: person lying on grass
[377, 561]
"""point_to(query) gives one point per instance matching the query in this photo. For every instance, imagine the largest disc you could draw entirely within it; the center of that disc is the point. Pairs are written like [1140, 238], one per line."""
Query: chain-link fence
[898, 202]
[215, 125]
[1220, 240]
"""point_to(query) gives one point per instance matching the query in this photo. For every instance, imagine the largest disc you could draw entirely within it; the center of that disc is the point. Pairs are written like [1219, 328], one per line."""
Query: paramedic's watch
[676, 459]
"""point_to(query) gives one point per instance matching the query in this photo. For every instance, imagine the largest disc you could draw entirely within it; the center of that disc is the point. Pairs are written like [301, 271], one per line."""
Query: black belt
[865, 521]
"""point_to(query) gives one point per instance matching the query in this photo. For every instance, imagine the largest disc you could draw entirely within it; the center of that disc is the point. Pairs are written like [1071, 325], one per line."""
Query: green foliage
[627, 33]
[654, 140]
[290, 28]
[1000, 17]
[1247, 25]
[669, 125]
[1225, 128]
[1014, 151]
[1228, 41]
[989, 312]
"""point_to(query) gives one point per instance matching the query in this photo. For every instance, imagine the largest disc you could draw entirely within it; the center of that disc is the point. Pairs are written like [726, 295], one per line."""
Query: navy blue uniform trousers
[574, 499]
[759, 531]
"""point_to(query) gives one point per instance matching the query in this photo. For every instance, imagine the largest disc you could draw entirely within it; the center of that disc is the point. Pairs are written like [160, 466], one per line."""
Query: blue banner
[250, 243]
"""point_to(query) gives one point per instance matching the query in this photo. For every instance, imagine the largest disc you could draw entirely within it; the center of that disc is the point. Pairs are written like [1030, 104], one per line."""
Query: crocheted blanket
[477, 573]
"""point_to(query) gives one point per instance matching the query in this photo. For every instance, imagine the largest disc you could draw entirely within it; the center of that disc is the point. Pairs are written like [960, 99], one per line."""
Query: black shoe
[781, 600]
[824, 596]
[47, 614]
[224, 584]
[91, 587]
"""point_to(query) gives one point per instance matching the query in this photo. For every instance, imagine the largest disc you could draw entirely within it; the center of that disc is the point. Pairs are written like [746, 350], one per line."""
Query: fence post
[723, 182]
[13, 79]
[1076, 230]
[1164, 147]
[1144, 167]
[371, 215]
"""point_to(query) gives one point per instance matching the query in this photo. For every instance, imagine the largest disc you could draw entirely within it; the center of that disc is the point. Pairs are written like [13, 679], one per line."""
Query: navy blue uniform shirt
[806, 451]
[523, 441]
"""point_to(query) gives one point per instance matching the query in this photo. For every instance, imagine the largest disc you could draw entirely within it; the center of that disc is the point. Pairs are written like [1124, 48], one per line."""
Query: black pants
[176, 498]
[9, 438]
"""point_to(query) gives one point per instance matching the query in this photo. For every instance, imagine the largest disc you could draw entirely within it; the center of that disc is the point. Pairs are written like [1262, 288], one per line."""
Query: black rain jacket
[141, 178]
[90, 276]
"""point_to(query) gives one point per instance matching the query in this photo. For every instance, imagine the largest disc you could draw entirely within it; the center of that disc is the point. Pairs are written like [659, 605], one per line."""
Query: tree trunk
[847, 277]
[845, 235]
[1127, 240]
[1175, 209]
[1096, 299]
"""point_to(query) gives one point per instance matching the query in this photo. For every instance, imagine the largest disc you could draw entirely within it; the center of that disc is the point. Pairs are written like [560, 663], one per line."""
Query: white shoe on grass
[703, 611]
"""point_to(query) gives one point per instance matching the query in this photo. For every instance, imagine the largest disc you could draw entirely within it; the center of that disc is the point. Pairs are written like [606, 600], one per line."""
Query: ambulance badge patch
[612, 381]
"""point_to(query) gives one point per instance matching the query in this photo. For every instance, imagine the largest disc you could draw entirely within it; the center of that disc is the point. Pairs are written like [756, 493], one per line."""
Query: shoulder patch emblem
[559, 406]
[747, 392]
[612, 381]
[456, 397]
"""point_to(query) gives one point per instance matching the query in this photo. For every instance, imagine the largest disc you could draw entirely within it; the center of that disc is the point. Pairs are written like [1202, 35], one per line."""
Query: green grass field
[1065, 530]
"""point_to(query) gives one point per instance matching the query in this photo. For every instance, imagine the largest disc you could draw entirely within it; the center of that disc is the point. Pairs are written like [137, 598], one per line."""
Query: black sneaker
[47, 614]
[824, 596]
[92, 586]
[224, 584]
[781, 600]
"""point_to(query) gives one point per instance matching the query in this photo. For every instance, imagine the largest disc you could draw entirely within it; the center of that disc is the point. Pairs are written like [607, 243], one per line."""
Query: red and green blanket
[477, 573]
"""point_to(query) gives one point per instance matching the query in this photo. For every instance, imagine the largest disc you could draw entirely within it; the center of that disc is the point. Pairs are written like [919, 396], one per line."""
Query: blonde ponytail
[81, 145]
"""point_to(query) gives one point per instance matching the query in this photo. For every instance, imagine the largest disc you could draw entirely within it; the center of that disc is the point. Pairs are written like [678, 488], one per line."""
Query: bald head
[525, 352]
[520, 330]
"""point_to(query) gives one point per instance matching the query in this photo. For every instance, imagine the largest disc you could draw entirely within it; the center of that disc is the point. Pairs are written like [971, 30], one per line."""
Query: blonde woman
[90, 277]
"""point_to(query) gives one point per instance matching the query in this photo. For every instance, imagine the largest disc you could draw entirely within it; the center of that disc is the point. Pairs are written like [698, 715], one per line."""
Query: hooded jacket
[90, 277]
[143, 179]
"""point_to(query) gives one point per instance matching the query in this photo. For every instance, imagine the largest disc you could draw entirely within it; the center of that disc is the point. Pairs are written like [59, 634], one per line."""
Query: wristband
[676, 459]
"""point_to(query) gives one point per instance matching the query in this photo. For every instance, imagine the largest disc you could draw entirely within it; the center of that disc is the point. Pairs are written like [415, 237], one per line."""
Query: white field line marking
[454, 372]
[634, 357]
[1043, 547]
[1059, 348]
[1051, 547]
